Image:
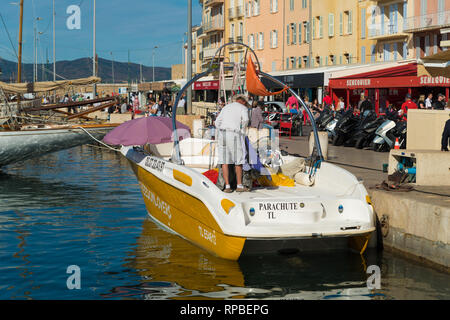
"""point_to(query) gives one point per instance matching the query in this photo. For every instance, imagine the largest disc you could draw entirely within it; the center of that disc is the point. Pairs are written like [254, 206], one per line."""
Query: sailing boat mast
[19, 63]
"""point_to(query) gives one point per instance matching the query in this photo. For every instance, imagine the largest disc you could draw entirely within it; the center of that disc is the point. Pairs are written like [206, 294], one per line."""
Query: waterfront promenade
[416, 223]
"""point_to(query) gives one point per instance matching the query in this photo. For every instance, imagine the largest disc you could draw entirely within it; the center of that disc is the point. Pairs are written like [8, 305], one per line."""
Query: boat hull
[185, 216]
[18, 146]
[192, 215]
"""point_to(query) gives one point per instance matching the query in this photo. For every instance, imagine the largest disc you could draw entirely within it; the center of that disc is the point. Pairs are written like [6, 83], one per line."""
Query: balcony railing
[239, 11]
[209, 52]
[213, 25]
[235, 12]
[385, 30]
[213, 2]
[428, 21]
[231, 13]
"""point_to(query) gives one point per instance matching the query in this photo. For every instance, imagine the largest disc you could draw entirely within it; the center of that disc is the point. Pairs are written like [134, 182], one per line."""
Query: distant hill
[82, 68]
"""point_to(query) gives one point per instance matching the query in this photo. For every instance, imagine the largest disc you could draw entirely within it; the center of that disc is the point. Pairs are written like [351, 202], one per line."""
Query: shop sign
[426, 80]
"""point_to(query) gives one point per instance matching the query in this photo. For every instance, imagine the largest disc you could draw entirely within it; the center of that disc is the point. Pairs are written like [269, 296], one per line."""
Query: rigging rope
[109, 147]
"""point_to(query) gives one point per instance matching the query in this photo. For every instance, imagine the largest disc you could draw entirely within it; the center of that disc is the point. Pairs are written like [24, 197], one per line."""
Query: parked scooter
[326, 116]
[344, 127]
[364, 137]
[332, 125]
[368, 117]
[386, 135]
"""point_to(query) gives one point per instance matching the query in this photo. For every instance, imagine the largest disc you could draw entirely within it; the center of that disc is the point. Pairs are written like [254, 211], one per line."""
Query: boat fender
[303, 179]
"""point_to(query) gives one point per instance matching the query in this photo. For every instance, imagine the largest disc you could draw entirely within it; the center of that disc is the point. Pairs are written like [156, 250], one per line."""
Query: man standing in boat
[232, 124]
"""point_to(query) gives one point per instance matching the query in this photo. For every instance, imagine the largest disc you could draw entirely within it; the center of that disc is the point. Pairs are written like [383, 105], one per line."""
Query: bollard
[198, 128]
[323, 139]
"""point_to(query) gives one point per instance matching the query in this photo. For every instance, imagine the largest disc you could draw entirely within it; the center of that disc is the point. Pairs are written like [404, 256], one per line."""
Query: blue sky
[122, 25]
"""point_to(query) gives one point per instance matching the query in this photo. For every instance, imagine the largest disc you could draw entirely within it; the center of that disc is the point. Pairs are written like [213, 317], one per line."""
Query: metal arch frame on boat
[265, 75]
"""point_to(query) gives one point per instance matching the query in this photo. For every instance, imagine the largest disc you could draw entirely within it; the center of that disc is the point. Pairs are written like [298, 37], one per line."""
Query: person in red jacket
[408, 104]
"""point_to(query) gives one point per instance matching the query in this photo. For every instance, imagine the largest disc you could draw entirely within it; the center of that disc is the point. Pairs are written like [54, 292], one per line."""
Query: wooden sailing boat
[25, 134]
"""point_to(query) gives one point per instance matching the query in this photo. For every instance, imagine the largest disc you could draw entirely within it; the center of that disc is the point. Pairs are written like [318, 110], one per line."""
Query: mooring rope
[109, 147]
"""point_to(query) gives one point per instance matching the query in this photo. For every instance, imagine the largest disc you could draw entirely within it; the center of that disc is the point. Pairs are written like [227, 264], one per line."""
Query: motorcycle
[387, 134]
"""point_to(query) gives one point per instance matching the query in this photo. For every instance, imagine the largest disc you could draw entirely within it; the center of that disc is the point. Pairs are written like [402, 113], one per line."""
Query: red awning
[409, 69]
[206, 85]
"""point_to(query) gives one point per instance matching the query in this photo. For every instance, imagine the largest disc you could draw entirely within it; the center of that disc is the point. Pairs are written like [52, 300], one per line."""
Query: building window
[386, 52]
[274, 39]
[256, 8]
[395, 51]
[293, 61]
[363, 23]
[274, 66]
[320, 26]
[287, 63]
[307, 33]
[306, 61]
[363, 54]
[340, 59]
[287, 35]
[304, 4]
[417, 43]
[332, 59]
[291, 5]
[273, 6]
[435, 44]
[341, 24]
[349, 22]
[427, 45]
[294, 33]
[299, 63]
[330, 25]
[261, 41]
[299, 33]
[373, 57]
[241, 29]
[314, 28]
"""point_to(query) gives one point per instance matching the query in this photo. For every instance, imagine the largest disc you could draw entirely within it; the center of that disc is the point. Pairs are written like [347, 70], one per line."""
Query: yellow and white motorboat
[323, 207]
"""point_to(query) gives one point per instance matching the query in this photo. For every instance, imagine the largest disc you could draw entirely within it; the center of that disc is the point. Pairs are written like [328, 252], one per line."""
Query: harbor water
[83, 207]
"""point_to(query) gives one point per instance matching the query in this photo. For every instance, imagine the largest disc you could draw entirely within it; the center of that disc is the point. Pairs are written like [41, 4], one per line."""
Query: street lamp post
[112, 63]
[153, 50]
[189, 58]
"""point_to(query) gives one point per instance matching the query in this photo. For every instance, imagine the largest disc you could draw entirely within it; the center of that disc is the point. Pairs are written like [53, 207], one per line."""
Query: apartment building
[234, 31]
[335, 33]
[424, 25]
[213, 30]
[278, 32]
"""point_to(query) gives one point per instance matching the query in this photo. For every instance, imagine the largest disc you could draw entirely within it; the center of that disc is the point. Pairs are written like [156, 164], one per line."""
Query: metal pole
[19, 63]
[94, 67]
[54, 46]
[112, 62]
[189, 59]
[34, 55]
[153, 63]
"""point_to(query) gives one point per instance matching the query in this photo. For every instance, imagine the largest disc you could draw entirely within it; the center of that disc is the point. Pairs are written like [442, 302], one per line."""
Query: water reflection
[173, 268]
[83, 206]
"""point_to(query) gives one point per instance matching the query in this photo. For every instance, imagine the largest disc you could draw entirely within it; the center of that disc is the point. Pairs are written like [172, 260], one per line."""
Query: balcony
[231, 13]
[212, 3]
[430, 21]
[209, 53]
[386, 31]
[214, 25]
